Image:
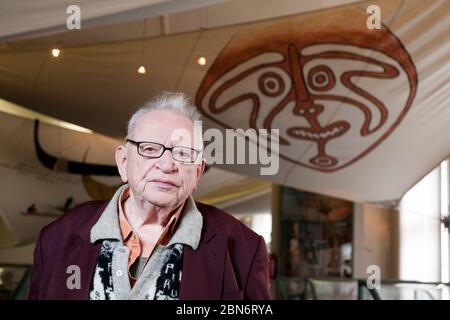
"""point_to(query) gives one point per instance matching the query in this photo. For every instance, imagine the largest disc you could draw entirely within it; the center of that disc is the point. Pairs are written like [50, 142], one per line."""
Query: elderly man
[152, 240]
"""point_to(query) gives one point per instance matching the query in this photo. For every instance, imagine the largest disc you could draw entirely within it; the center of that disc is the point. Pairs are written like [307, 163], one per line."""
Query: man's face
[162, 182]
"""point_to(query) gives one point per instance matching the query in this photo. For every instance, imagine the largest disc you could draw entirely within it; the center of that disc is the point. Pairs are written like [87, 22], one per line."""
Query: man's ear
[200, 169]
[121, 162]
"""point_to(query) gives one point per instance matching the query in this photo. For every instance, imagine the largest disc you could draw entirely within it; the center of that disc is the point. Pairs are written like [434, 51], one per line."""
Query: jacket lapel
[203, 270]
[83, 253]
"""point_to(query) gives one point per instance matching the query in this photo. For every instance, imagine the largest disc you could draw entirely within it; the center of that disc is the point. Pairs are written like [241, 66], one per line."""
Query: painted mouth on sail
[328, 132]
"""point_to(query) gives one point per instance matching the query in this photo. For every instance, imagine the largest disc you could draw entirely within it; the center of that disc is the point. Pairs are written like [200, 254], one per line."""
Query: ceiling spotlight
[142, 70]
[56, 52]
[201, 61]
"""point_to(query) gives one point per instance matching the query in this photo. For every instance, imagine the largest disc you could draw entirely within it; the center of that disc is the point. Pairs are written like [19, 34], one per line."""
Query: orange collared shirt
[130, 237]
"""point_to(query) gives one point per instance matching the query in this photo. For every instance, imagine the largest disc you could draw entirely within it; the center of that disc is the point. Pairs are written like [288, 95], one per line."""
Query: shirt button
[119, 273]
[122, 250]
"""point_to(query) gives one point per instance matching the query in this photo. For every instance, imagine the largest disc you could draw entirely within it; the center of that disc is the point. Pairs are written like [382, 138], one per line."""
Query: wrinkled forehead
[165, 127]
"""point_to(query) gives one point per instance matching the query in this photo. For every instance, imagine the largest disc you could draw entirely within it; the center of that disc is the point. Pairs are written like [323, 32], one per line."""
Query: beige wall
[375, 240]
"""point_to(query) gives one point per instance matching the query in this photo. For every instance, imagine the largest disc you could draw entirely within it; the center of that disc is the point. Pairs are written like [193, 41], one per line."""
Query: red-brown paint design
[315, 84]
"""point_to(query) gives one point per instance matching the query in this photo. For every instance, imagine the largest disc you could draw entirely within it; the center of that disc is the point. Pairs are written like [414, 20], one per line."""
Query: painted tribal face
[332, 89]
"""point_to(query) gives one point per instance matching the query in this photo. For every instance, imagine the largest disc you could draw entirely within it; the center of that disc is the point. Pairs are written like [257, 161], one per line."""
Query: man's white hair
[176, 102]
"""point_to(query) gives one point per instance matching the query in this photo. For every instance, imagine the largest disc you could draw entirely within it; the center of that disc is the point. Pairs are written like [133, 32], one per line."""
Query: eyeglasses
[154, 150]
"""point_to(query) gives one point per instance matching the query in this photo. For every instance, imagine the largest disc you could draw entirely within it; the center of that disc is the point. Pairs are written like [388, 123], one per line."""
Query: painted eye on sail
[321, 78]
[271, 84]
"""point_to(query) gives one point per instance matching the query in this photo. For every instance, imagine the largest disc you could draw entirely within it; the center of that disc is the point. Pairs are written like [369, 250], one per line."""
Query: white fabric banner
[363, 113]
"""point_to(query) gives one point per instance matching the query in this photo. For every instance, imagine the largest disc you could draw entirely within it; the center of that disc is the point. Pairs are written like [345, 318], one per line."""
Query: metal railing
[323, 288]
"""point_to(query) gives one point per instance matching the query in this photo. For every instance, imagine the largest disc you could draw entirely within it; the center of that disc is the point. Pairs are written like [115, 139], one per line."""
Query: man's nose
[165, 163]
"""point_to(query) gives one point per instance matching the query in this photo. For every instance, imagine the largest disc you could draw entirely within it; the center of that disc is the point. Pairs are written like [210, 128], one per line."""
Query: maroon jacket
[231, 261]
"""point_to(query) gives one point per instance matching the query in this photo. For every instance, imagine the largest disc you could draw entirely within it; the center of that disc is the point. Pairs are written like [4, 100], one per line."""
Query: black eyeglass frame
[164, 148]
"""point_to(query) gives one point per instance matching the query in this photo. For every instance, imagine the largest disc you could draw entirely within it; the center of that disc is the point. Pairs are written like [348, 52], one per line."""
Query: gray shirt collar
[188, 231]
